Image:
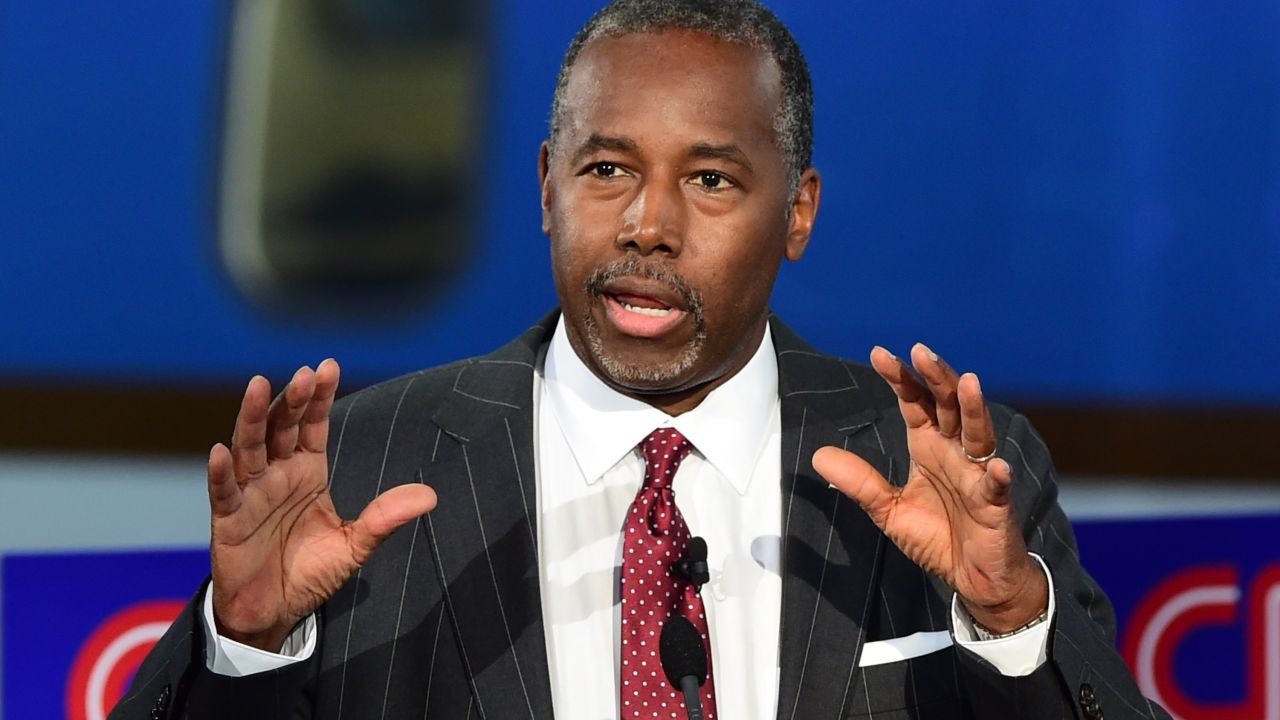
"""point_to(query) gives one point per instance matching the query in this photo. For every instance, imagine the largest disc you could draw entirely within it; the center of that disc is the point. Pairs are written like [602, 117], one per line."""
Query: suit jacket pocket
[882, 652]
[922, 686]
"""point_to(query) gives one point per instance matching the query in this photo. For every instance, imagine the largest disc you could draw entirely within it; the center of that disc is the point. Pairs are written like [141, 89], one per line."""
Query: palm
[953, 516]
[277, 552]
[939, 519]
[279, 549]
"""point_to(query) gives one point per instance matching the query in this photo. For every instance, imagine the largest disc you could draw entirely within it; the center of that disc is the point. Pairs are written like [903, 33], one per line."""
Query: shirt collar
[602, 425]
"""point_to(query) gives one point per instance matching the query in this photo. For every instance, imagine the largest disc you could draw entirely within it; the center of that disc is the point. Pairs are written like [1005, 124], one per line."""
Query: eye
[605, 170]
[710, 180]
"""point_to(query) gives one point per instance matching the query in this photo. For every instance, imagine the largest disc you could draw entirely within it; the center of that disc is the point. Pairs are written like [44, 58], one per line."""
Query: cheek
[584, 229]
[576, 225]
[737, 296]
[564, 229]
[572, 257]
[564, 267]
[740, 261]
[736, 293]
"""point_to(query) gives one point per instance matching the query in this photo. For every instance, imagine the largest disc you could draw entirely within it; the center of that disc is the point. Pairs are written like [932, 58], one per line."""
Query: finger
[914, 398]
[313, 434]
[855, 477]
[387, 512]
[997, 483]
[977, 434]
[224, 492]
[248, 440]
[942, 381]
[287, 411]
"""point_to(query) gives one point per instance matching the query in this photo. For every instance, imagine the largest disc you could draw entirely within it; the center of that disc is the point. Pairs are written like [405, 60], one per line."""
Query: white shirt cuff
[1014, 656]
[225, 656]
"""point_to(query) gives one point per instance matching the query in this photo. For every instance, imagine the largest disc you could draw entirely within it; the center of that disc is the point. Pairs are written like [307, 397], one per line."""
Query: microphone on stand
[693, 566]
[684, 660]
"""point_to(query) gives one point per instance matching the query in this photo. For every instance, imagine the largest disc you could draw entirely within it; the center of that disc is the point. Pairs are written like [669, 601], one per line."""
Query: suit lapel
[484, 533]
[832, 551]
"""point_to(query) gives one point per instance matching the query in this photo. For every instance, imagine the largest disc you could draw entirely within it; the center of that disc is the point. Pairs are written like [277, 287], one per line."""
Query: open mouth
[644, 301]
[641, 315]
[643, 305]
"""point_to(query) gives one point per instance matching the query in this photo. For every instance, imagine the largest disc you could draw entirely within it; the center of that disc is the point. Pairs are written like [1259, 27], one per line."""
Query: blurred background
[1079, 200]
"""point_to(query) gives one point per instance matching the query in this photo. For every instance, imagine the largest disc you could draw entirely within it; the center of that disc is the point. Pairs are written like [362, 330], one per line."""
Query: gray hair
[745, 22]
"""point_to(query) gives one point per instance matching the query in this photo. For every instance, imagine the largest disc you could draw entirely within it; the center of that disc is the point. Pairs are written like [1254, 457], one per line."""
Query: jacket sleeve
[1084, 677]
[174, 682]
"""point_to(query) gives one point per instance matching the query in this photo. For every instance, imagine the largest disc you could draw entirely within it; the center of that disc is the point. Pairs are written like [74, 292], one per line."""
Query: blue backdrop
[1079, 199]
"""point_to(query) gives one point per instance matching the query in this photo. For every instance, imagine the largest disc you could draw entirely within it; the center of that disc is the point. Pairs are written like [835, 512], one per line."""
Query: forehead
[678, 82]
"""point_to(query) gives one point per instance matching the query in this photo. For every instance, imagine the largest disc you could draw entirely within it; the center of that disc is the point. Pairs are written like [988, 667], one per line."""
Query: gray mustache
[634, 267]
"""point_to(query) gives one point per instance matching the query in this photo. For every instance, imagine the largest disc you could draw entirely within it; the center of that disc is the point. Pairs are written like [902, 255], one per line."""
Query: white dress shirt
[589, 470]
[729, 491]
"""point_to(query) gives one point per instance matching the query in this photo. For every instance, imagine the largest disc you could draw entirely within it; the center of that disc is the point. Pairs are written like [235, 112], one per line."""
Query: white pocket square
[894, 650]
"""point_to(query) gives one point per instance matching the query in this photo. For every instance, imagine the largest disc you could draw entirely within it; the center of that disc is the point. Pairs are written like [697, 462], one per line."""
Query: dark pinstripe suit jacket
[445, 619]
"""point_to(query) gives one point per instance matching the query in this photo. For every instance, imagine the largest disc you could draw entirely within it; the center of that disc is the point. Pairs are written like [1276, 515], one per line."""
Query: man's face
[667, 205]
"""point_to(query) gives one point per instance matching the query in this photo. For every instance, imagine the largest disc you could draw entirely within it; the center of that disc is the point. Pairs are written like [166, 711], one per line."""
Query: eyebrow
[729, 153]
[598, 142]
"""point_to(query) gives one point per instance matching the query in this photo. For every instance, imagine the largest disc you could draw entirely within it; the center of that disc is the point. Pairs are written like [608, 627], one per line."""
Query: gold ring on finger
[978, 460]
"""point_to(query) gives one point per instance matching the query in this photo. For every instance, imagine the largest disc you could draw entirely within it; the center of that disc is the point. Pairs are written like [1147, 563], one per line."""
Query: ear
[544, 181]
[804, 211]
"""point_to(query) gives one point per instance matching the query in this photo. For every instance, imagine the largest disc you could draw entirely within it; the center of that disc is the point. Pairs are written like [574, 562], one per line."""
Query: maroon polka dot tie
[655, 538]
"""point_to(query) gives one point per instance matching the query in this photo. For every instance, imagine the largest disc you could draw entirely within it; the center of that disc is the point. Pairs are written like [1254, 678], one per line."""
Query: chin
[623, 369]
[649, 377]
[646, 378]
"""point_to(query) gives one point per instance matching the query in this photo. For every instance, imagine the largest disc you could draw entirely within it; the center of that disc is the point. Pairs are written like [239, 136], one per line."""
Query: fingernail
[932, 355]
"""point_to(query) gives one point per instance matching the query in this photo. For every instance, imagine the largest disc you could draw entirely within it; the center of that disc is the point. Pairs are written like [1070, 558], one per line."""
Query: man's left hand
[954, 517]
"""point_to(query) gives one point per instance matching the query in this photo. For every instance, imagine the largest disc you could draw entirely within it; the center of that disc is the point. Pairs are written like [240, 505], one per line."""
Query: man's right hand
[279, 549]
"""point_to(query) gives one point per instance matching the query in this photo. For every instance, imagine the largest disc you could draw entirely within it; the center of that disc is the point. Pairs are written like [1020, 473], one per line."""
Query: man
[675, 179]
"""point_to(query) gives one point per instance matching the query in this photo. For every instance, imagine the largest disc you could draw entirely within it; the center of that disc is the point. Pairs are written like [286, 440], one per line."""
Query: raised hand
[279, 549]
[954, 516]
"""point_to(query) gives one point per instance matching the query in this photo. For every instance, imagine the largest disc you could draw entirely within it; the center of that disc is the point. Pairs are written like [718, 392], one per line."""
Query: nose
[654, 221]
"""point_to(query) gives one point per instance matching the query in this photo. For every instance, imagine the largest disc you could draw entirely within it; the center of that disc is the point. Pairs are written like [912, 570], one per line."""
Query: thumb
[388, 512]
[855, 477]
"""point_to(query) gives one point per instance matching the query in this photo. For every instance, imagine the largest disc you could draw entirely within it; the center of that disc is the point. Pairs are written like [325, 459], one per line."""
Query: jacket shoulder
[434, 384]
[385, 395]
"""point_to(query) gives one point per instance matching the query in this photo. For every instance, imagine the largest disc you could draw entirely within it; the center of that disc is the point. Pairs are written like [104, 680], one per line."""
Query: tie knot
[663, 451]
